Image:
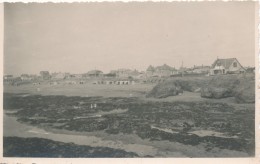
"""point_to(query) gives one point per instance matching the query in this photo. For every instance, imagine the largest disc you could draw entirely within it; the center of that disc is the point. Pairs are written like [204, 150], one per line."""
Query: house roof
[185, 69]
[95, 72]
[162, 67]
[110, 74]
[150, 68]
[201, 67]
[8, 75]
[123, 70]
[25, 75]
[44, 72]
[224, 62]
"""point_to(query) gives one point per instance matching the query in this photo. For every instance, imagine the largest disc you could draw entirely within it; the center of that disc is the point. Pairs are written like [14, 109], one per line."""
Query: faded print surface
[129, 79]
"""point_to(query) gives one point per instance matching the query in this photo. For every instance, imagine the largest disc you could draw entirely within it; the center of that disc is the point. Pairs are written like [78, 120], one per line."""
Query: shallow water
[165, 130]
[203, 133]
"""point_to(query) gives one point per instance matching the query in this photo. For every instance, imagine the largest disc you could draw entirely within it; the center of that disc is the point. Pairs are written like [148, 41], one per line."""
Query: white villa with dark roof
[226, 66]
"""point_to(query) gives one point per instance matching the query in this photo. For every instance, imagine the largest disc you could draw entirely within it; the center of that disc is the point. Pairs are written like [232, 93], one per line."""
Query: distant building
[141, 75]
[67, 75]
[6, 77]
[185, 70]
[75, 76]
[201, 69]
[95, 73]
[58, 76]
[10, 79]
[115, 82]
[26, 77]
[45, 75]
[250, 69]
[125, 73]
[34, 77]
[161, 71]
[226, 66]
[110, 75]
[150, 71]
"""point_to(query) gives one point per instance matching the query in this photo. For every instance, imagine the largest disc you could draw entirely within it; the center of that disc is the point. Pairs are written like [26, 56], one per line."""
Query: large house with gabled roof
[226, 66]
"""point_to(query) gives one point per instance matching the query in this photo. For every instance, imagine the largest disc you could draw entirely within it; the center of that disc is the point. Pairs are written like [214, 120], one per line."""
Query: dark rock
[217, 93]
[245, 92]
[176, 86]
[239, 86]
[163, 91]
[222, 86]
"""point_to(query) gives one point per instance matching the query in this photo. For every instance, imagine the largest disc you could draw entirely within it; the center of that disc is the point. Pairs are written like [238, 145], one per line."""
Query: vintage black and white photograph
[129, 80]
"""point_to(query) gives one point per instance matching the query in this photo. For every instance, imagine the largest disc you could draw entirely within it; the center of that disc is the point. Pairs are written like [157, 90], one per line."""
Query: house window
[218, 64]
[234, 64]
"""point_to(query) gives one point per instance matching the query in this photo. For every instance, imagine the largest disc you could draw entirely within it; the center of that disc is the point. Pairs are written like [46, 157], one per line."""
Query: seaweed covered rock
[242, 87]
[222, 86]
[245, 91]
[163, 91]
[215, 92]
[245, 96]
[176, 86]
[189, 85]
[39, 147]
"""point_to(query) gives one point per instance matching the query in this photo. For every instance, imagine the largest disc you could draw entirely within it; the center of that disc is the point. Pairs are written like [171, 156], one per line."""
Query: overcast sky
[79, 37]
